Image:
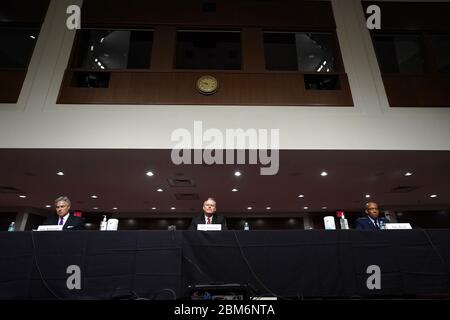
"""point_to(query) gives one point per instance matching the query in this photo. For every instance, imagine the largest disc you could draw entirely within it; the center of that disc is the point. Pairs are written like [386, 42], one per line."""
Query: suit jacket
[365, 223]
[216, 219]
[72, 223]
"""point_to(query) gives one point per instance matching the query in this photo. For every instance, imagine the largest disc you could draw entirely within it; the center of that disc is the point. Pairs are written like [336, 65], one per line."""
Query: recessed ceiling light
[60, 173]
[407, 174]
[94, 196]
[153, 208]
[48, 206]
[235, 190]
[95, 208]
[115, 208]
[324, 208]
[237, 173]
[149, 173]
[301, 195]
[306, 208]
[33, 37]
[324, 173]
[172, 208]
[433, 196]
[160, 190]
[268, 208]
[249, 208]
[22, 196]
[367, 195]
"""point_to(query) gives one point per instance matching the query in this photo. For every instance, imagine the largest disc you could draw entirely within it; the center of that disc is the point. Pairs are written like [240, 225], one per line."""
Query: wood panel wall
[252, 85]
[429, 89]
[18, 13]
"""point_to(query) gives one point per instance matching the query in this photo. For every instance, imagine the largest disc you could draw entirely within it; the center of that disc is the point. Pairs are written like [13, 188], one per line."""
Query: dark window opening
[17, 46]
[90, 79]
[219, 50]
[441, 44]
[401, 53]
[321, 82]
[300, 51]
[113, 49]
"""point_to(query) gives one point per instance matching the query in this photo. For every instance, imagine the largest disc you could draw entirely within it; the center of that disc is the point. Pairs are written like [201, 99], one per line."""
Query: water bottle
[12, 226]
[246, 226]
[344, 224]
[382, 225]
[103, 224]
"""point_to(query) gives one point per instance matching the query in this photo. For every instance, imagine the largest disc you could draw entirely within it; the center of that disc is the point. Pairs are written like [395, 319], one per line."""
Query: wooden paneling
[11, 82]
[417, 91]
[252, 50]
[163, 50]
[412, 15]
[128, 87]
[282, 13]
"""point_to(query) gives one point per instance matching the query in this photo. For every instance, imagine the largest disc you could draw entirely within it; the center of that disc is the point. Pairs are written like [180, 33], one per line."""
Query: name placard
[209, 227]
[397, 226]
[50, 228]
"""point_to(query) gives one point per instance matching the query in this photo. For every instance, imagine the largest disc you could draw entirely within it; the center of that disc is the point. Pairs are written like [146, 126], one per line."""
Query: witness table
[286, 263]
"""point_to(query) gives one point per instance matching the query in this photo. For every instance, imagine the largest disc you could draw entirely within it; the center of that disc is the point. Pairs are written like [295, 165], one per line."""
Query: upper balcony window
[441, 44]
[17, 45]
[217, 50]
[300, 51]
[399, 53]
[100, 49]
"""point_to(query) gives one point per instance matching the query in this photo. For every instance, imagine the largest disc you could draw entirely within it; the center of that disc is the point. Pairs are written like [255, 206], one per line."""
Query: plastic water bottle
[344, 224]
[246, 226]
[382, 225]
[103, 224]
[12, 226]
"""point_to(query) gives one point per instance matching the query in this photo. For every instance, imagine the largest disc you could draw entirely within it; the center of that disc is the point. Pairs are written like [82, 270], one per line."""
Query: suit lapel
[68, 221]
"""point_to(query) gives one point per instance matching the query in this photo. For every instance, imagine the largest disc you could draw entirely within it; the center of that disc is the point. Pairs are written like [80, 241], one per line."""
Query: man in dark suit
[372, 221]
[63, 216]
[209, 216]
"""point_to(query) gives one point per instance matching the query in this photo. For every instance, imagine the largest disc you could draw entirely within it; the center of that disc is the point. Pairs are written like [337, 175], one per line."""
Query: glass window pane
[280, 51]
[17, 46]
[219, 50]
[114, 49]
[441, 45]
[315, 52]
[302, 51]
[399, 53]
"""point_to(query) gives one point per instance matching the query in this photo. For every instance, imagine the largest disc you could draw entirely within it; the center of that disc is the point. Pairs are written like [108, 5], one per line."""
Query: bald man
[372, 220]
[209, 216]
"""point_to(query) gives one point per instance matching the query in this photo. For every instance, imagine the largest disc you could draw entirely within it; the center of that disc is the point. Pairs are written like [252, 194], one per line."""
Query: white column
[21, 220]
[307, 222]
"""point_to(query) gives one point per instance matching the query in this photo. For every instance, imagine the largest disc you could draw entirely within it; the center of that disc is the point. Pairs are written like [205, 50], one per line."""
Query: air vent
[181, 182]
[9, 190]
[186, 196]
[404, 189]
